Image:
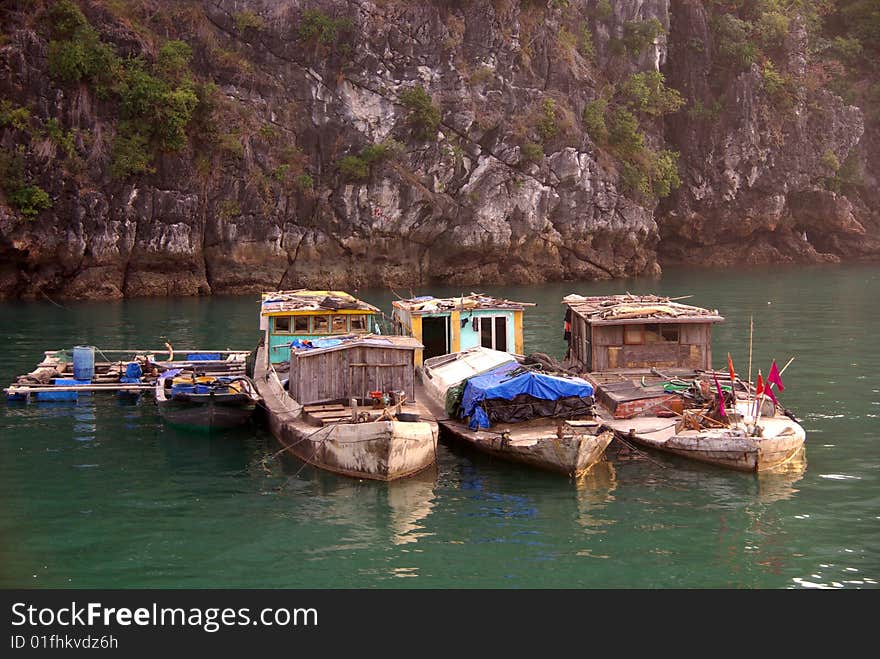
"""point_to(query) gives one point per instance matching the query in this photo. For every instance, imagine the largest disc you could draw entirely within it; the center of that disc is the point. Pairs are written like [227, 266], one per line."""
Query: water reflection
[777, 484]
[221, 452]
[372, 511]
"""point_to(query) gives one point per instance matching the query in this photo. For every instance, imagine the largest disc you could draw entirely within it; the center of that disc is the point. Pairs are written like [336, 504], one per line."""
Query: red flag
[721, 410]
[768, 391]
[759, 388]
[730, 368]
[773, 377]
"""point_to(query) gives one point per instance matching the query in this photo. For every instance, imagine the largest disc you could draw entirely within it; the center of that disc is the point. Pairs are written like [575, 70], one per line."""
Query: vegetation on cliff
[248, 144]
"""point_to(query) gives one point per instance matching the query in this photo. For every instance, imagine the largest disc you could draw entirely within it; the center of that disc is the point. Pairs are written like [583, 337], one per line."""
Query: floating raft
[54, 379]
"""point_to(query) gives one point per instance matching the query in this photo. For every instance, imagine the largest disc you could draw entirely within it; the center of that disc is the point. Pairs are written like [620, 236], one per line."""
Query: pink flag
[773, 377]
[721, 410]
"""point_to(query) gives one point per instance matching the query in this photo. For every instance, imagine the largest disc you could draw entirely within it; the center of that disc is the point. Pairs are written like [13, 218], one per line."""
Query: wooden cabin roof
[627, 309]
[308, 300]
[429, 304]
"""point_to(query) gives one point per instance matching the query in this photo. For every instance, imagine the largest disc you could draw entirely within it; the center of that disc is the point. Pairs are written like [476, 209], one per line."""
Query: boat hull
[721, 447]
[210, 415]
[571, 454]
[207, 411]
[378, 450]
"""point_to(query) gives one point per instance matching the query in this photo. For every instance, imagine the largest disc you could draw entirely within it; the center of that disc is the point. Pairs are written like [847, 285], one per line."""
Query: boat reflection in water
[593, 492]
[777, 484]
[367, 507]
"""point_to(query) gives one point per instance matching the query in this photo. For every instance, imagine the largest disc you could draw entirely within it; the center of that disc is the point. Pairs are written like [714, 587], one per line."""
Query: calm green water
[102, 494]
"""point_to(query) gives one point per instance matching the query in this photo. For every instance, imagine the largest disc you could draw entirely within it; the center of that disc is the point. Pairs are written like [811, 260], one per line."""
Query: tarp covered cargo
[528, 391]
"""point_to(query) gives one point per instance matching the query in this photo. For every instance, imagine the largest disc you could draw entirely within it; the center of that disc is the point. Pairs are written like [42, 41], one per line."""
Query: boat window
[339, 325]
[657, 333]
[670, 333]
[301, 324]
[282, 323]
[633, 334]
[320, 324]
[358, 323]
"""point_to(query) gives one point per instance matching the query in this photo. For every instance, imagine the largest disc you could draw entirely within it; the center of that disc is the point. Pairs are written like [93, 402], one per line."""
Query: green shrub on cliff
[76, 52]
[353, 168]
[247, 20]
[157, 102]
[594, 119]
[131, 152]
[664, 173]
[304, 182]
[30, 200]
[772, 29]
[736, 49]
[23, 195]
[639, 35]
[650, 175]
[647, 92]
[548, 120]
[531, 152]
[318, 27]
[64, 140]
[18, 118]
[624, 133]
[66, 19]
[357, 168]
[172, 64]
[163, 111]
[423, 117]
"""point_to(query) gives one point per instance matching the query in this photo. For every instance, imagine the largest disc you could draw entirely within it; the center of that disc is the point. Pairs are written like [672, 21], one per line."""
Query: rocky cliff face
[756, 172]
[357, 143]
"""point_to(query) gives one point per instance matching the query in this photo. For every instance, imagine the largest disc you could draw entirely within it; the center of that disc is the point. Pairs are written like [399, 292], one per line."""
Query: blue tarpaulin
[204, 357]
[498, 383]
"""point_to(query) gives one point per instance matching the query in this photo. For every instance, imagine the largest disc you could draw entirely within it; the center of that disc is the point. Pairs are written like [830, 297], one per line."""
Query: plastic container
[83, 362]
[62, 395]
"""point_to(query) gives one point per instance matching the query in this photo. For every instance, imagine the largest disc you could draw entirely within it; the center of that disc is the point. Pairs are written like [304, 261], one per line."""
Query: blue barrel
[83, 362]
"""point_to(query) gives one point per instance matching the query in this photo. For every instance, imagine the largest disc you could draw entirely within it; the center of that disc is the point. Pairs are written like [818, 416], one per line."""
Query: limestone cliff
[338, 143]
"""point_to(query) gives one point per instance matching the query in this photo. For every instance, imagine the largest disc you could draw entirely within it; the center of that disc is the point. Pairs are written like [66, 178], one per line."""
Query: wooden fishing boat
[336, 395]
[487, 400]
[206, 402]
[735, 446]
[649, 359]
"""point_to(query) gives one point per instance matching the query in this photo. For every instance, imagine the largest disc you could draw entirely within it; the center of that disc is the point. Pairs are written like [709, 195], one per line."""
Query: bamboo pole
[749, 388]
[77, 387]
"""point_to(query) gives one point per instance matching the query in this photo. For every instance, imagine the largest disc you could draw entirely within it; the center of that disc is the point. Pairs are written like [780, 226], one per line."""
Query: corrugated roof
[614, 309]
[309, 300]
[430, 304]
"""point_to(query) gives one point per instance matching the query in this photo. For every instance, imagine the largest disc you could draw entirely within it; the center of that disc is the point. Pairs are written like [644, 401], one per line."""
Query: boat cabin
[302, 316]
[620, 332]
[448, 325]
[363, 368]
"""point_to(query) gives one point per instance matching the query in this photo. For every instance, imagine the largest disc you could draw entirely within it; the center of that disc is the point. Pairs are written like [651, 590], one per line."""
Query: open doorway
[435, 335]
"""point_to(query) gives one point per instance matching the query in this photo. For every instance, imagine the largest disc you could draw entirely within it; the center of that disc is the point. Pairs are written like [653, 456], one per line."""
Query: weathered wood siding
[317, 377]
[602, 347]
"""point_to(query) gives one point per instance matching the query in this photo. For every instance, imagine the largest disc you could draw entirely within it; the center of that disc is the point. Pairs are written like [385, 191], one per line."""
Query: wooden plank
[323, 408]
[330, 414]
[25, 389]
